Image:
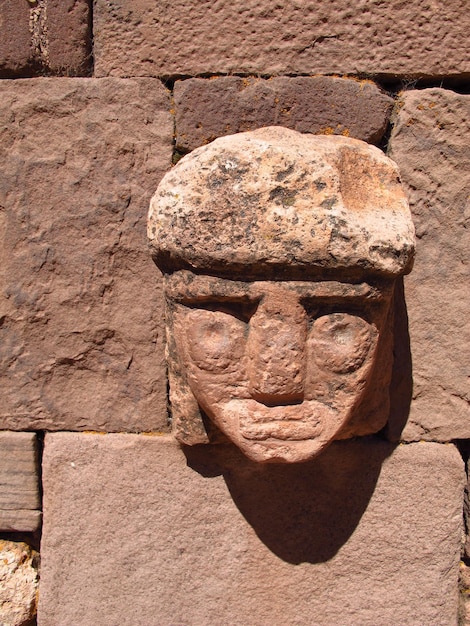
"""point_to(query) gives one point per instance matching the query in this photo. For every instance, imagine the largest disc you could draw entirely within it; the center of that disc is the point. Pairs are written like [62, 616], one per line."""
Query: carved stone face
[280, 251]
[278, 367]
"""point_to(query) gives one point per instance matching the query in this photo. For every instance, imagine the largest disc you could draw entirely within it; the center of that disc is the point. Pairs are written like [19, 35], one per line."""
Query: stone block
[212, 538]
[177, 38]
[16, 52]
[207, 109]
[69, 49]
[430, 143]
[82, 335]
[18, 583]
[19, 489]
[52, 36]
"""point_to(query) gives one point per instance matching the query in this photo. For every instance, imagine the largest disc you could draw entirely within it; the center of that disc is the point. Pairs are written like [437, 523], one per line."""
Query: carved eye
[341, 342]
[215, 340]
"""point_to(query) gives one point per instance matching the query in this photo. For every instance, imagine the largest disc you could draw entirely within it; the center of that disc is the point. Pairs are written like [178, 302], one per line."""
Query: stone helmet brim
[270, 199]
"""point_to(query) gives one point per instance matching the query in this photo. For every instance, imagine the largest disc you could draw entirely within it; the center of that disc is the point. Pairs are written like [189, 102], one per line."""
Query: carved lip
[285, 423]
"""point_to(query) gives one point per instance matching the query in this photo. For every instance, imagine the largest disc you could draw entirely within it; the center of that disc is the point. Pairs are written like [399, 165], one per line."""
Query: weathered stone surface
[430, 142]
[207, 109]
[16, 51]
[18, 583]
[281, 367]
[82, 333]
[19, 490]
[214, 538]
[273, 202]
[45, 36]
[464, 585]
[285, 380]
[144, 37]
[69, 36]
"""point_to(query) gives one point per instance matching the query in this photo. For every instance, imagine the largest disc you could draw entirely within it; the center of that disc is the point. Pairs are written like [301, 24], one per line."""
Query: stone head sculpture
[279, 252]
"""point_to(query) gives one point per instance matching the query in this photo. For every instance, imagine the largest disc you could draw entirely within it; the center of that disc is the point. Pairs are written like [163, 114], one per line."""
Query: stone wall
[97, 102]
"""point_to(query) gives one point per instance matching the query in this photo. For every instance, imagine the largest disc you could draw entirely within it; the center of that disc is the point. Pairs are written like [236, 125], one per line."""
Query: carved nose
[277, 357]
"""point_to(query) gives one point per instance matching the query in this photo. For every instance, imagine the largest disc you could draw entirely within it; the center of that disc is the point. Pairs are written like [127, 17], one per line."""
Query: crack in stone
[38, 30]
[319, 39]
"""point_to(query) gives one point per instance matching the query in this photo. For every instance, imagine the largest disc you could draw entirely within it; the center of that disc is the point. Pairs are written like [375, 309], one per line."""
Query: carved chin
[289, 434]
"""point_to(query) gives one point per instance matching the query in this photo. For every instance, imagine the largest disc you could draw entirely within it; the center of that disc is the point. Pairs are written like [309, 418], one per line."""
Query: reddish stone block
[212, 538]
[207, 109]
[19, 485]
[82, 335]
[180, 38]
[45, 36]
[69, 37]
[430, 143]
[16, 51]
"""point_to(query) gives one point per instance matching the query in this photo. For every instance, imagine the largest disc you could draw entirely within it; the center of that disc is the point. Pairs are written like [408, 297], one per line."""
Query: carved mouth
[259, 422]
[284, 431]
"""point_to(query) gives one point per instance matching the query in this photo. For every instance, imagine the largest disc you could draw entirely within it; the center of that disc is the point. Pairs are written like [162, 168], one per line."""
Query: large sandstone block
[144, 37]
[82, 332]
[365, 534]
[19, 486]
[45, 36]
[207, 109]
[430, 142]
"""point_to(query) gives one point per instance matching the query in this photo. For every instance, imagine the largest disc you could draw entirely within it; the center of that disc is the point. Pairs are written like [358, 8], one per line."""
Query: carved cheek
[215, 341]
[341, 343]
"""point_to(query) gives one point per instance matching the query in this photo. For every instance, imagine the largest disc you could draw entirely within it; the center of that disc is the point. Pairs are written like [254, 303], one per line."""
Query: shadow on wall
[401, 386]
[302, 512]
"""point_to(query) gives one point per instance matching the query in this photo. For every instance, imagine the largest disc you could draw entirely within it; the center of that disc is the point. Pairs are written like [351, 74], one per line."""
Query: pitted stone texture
[430, 142]
[18, 583]
[45, 36]
[215, 539]
[274, 201]
[144, 37]
[280, 368]
[207, 109]
[82, 340]
[19, 488]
